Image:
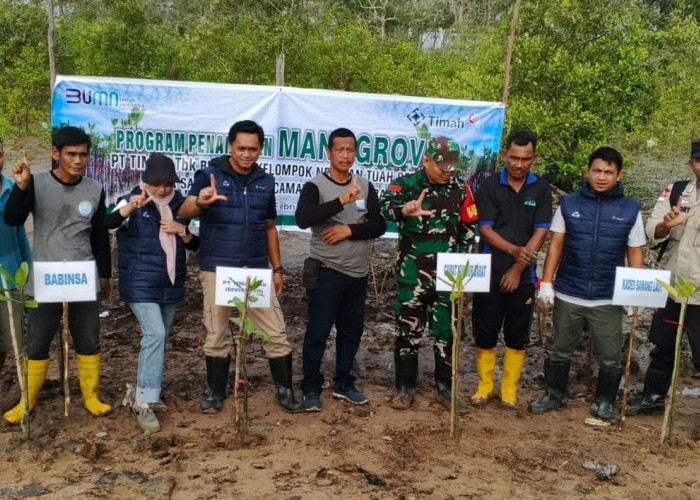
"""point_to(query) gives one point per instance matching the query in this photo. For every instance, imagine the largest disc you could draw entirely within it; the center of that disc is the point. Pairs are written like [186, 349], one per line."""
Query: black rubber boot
[443, 383]
[2, 360]
[556, 376]
[606, 393]
[217, 379]
[653, 401]
[281, 369]
[406, 375]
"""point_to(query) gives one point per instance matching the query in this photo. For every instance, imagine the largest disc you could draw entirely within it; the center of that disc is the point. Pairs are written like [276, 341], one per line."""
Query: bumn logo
[95, 98]
[415, 116]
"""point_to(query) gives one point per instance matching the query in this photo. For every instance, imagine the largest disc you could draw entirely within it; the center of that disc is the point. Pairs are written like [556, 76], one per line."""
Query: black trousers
[511, 311]
[663, 334]
[83, 322]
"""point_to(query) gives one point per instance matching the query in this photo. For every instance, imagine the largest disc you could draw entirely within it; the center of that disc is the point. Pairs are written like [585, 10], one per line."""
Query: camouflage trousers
[417, 303]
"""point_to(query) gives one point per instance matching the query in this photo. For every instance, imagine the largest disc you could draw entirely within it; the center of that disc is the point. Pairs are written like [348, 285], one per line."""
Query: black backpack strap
[676, 192]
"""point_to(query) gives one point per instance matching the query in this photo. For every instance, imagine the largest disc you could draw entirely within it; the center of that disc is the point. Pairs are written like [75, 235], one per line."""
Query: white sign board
[479, 271]
[230, 283]
[638, 287]
[64, 281]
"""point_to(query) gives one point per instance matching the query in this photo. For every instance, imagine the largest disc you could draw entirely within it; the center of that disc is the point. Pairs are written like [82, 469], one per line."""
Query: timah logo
[415, 116]
[96, 98]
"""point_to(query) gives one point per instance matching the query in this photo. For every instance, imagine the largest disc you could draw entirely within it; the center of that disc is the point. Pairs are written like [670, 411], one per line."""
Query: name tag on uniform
[639, 287]
[65, 281]
[230, 284]
[478, 277]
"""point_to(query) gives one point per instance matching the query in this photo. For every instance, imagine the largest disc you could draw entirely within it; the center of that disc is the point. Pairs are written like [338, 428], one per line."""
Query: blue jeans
[339, 299]
[156, 321]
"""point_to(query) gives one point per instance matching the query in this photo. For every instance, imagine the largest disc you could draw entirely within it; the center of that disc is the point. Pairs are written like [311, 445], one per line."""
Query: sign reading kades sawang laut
[479, 277]
[64, 281]
[230, 284]
[639, 287]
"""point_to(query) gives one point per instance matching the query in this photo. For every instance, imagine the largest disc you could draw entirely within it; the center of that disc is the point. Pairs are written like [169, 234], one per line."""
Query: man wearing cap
[342, 211]
[69, 213]
[151, 240]
[676, 222]
[515, 210]
[234, 199]
[426, 206]
[592, 233]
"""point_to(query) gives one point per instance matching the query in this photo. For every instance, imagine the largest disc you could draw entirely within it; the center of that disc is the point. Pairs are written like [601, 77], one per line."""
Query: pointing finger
[422, 196]
[212, 181]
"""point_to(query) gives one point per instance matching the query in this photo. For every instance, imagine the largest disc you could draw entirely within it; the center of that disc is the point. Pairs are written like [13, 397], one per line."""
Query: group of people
[593, 232]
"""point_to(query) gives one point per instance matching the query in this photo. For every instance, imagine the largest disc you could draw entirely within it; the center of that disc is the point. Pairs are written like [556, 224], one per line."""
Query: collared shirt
[514, 216]
[14, 244]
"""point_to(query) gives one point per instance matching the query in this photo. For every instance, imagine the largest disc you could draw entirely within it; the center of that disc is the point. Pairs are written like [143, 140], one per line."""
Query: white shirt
[636, 238]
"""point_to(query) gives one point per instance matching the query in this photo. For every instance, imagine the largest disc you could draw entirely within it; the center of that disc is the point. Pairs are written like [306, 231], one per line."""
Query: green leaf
[31, 304]
[252, 299]
[672, 291]
[450, 276]
[4, 298]
[249, 326]
[263, 336]
[236, 321]
[9, 279]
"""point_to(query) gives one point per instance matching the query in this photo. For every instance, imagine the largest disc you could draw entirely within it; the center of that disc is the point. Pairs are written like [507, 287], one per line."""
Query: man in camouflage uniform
[426, 207]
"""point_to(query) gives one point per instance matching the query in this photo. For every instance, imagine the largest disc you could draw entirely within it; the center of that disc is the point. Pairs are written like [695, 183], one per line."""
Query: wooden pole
[19, 362]
[64, 348]
[279, 70]
[667, 427]
[456, 341]
[240, 418]
[509, 52]
[52, 44]
[630, 345]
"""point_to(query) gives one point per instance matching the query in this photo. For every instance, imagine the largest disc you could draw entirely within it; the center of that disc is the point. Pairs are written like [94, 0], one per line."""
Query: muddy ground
[369, 451]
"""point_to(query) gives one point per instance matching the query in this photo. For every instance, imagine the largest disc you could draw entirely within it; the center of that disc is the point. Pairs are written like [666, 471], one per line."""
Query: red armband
[468, 214]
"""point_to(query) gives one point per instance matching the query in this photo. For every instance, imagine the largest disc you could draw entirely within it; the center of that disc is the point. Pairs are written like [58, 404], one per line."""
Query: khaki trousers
[216, 322]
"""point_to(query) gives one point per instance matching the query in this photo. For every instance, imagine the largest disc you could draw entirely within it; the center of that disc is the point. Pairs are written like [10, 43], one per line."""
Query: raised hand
[415, 208]
[353, 193]
[136, 202]
[675, 217]
[208, 195]
[21, 171]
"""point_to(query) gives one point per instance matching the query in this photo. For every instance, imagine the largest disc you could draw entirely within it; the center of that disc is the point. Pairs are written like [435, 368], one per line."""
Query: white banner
[64, 281]
[639, 287]
[230, 284]
[128, 119]
[478, 274]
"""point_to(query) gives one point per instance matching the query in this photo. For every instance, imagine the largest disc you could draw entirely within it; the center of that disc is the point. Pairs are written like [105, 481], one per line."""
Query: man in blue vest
[592, 232]
[234, 199]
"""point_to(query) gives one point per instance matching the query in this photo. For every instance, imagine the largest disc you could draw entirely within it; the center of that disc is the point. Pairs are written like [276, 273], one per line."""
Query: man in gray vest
[342, 210]
[69, 212]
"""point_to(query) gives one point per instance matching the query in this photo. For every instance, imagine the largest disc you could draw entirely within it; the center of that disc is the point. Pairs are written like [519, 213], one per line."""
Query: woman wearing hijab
[151, 244]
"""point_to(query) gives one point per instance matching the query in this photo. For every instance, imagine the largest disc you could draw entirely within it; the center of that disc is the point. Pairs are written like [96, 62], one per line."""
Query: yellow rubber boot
[36, 374]
[485, 366]
[89, 374]
[512, 368]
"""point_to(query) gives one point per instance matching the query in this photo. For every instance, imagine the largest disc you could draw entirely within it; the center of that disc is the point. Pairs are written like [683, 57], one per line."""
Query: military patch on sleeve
[394, 188]
[664, 194]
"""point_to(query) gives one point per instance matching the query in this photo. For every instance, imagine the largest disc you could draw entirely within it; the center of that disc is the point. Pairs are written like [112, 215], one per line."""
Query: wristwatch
[279, 270]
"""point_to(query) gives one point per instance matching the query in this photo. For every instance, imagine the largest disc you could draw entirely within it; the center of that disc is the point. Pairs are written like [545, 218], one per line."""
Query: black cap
[159, 167]
[695, 149]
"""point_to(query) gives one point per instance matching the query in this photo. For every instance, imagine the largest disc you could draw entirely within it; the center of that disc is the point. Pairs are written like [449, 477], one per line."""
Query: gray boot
[406, 375]
[443, 383]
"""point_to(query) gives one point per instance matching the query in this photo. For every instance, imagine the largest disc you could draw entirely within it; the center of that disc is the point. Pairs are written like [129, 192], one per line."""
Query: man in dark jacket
[234, 199]
[592, 231]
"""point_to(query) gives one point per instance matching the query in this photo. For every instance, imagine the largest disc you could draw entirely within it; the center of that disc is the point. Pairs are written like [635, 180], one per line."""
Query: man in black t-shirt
[515, 211]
